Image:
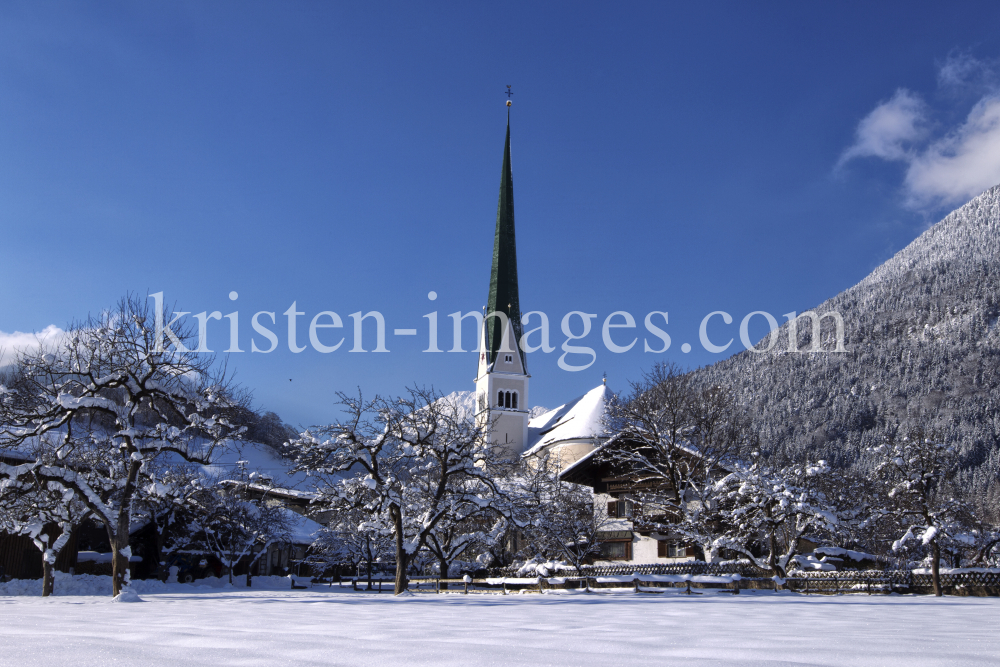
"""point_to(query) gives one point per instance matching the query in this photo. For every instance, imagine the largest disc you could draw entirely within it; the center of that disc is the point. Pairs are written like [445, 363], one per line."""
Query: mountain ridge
[922, 346]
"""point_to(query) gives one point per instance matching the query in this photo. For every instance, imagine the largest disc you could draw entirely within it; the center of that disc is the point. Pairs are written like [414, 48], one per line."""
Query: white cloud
[961, 165]
[890, 129]
[10, 343]
[963, 71]
[955, 164]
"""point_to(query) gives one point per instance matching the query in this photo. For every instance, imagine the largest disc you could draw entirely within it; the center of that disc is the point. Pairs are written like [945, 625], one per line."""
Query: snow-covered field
[221, 626]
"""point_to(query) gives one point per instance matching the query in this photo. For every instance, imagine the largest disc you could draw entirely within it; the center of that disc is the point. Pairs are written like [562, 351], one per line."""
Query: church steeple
[502, 377]
[503, 296]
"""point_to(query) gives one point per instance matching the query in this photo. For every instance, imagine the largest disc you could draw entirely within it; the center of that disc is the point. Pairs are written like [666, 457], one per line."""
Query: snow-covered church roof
[580, 419]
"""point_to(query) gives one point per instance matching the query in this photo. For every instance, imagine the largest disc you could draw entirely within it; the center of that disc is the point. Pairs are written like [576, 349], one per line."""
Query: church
[568, 435]
[502, 379]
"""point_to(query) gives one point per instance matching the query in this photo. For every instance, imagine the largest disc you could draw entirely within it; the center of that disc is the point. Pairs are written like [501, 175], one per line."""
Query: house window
[620, 509]
[671, 549]
[617, 550]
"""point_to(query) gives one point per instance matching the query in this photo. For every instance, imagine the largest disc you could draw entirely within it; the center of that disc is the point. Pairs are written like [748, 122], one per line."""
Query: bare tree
[354, 536]
[240, 525]
[674, 441]
[408, 462]
[46, 515]
[558, 520]
[919, 474]
[117, 393]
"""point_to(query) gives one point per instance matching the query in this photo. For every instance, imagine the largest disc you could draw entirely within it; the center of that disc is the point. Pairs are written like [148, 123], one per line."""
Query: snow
[127, 595]
[97, 557]
[256, 458]
[100, 585]
[844, 553]
[302, 530]
[580, 419]
[323, 626]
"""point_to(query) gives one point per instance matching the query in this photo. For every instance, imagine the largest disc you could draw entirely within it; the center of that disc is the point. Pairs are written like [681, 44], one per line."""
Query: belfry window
[499, 399]
[508, 359]
[513, 400]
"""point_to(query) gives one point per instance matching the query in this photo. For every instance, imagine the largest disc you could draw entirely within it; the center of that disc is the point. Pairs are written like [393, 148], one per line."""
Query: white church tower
[502, 377]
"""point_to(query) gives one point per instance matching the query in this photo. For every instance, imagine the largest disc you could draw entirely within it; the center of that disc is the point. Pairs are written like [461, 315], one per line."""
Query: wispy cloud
[11, 343]
[890, 131]
[960, 165]
[948, 166]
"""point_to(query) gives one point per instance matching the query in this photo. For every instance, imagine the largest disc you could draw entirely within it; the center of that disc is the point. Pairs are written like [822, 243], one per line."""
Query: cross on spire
[509, 93]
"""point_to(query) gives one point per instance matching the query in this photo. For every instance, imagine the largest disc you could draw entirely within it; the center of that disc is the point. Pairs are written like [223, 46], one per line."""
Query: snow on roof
[580, 419]
[258, 458]
[302, 530]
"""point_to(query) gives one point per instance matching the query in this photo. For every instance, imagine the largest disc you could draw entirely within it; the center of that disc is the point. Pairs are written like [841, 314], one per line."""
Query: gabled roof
[591, 466]
[580, 419]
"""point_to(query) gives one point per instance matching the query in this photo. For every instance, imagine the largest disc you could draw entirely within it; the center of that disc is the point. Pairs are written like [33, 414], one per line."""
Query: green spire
[503, 278]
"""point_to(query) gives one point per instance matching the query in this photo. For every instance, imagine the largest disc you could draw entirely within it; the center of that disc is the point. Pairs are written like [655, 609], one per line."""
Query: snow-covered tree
[919, 474]
[354, 536]
[240, 524]
[409, 462]
[674, 440]
[557, 520]
[46, 514]
[115, 394]
[765, 512]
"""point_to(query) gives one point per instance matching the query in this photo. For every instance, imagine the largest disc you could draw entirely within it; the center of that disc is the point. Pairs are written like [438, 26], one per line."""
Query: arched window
[500, 399]
[513, 401]
[506, 400]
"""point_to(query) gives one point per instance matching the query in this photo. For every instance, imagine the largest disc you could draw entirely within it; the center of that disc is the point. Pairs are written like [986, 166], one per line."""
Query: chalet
[629, 535]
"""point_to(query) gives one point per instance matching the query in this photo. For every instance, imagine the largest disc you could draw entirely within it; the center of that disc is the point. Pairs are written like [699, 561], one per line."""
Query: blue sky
[686, 158]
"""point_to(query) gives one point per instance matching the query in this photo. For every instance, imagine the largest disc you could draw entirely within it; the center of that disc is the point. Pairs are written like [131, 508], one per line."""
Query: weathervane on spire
[509, 93]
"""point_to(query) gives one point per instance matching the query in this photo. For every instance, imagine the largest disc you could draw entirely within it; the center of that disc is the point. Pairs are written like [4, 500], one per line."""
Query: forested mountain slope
[923, 347]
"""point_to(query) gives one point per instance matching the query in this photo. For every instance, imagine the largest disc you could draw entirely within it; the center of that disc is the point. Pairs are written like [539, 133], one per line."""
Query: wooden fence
[847, 581]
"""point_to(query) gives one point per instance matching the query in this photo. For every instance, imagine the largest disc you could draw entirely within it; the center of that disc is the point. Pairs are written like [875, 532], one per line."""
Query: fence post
[438, 585]
[354, 584]
[836, 584]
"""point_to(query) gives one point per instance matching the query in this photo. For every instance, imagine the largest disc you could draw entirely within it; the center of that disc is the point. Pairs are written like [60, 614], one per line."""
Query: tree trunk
[368, 557]
[119, 568]
[119, 541]
[402, 559]
[46, 576]
[935, 567]
[772, 558]
[443, 572]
